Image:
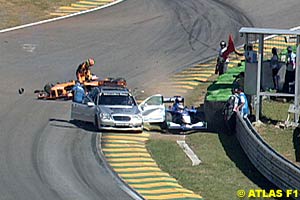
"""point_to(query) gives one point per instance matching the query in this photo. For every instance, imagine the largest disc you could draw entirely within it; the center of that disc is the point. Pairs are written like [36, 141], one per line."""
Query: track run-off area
[128, 156]
[151, 44]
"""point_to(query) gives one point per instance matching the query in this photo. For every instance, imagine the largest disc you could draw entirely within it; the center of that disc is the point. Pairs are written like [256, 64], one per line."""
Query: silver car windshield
[123, 100]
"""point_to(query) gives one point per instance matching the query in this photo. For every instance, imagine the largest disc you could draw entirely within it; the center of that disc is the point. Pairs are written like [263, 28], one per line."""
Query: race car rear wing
[172, 99]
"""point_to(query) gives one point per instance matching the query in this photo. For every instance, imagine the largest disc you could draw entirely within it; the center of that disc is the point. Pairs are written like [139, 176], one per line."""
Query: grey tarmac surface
[44, 155]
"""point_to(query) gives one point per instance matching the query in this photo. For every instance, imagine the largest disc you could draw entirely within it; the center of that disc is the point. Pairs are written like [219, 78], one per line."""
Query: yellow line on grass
[71, 8]
[124, 149]
[120, 141]
[142, 180]
[172, 196]
[128, 138]
[138, 169]
[83, 5]
[111, 160]
[125, 145]
[153, 174]
[134, 164]
[112, 155]
[160, 184]
[91, 2]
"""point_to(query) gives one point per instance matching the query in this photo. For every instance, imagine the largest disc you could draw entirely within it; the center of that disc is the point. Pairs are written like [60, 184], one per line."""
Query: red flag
[230, 48]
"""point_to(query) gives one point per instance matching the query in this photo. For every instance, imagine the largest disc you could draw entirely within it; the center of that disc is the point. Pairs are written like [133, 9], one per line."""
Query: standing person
[249, 54]
[274, 64]
[223, 56]
[243, 106]
[78, 92]
[222, 62]
[290, 70]
[229, 110]
[83, 72]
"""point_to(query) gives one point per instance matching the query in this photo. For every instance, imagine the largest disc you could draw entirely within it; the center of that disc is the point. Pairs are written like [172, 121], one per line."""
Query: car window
[87, 99]
[93, 94]
[155, 100]
[124, 100]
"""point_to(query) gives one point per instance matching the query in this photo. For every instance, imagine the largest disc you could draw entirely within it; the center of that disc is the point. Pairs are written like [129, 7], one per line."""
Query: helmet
[180, 107]
[223, 43]
[90, 62]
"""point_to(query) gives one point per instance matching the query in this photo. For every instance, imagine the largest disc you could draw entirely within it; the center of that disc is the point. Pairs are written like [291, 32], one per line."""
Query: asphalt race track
[44, 155]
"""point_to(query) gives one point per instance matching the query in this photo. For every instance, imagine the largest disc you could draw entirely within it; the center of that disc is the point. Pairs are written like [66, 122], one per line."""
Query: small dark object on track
[21, 91]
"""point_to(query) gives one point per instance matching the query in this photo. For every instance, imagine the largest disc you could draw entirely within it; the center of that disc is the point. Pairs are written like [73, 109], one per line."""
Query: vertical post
[258, 99]
[296, 97]
[245, 49]
[258, 83]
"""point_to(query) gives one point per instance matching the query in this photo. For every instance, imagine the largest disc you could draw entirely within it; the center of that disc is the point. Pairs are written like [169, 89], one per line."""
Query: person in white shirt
[290, 70]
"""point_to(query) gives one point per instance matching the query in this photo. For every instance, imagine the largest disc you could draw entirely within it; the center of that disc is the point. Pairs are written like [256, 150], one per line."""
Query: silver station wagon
[114, 108]
[109, 108]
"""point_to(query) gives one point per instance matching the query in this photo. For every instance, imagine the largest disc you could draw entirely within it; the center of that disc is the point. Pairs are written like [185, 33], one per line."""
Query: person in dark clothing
[222, 63]
[230, 110]
[274, 64]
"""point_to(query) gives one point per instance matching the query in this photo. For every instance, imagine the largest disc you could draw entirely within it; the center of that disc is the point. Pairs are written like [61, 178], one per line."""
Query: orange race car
[64, 90]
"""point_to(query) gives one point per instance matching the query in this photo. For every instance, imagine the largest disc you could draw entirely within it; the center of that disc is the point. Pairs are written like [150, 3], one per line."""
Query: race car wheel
[164, 125]
[197, 117]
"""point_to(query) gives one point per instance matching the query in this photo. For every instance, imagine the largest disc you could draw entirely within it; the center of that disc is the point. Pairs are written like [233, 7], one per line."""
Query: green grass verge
[284, 141]
[19, 12]
[225, 168]
[220, 90]
[275, 110]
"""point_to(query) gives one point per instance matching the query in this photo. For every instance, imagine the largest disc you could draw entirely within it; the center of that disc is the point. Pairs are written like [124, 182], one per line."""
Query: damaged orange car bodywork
[64, 90]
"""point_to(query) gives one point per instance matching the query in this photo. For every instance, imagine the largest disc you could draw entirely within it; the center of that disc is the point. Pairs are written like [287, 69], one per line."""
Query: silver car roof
[112, 90]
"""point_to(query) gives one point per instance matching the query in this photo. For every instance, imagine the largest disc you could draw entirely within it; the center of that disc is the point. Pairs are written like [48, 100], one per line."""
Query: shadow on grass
[235, 152]
[296, 141]
[267, 120]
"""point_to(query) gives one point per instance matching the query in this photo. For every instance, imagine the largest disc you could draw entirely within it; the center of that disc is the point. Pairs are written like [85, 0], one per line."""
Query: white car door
[153, 109]
[83, 111]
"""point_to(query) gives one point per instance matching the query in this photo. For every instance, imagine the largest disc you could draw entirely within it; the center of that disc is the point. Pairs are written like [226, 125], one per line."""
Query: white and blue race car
[175, 117]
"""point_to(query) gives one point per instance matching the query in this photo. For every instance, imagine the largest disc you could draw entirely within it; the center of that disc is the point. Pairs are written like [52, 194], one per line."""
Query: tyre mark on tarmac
[129, 158]
[80, 6]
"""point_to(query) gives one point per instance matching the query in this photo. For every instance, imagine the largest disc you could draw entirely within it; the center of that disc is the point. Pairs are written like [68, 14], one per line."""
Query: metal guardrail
[277, 169]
